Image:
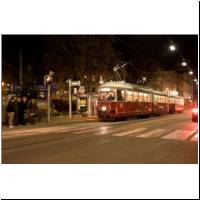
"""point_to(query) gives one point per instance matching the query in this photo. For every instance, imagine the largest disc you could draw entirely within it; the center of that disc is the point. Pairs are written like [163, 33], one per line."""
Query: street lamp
[184, 64]
[3, 83]
[48, 80]
[172, 47]
[191, 72]
[195, 80]
[144, 79]
[101, 81]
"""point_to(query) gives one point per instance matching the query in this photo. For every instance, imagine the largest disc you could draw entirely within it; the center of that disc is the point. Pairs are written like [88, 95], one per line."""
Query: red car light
[195, 110]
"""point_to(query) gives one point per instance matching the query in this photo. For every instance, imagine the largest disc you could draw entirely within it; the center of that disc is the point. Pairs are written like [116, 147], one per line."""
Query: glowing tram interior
[122, 100]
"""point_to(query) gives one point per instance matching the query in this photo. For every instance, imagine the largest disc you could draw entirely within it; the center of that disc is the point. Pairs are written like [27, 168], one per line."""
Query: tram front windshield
[106, 96]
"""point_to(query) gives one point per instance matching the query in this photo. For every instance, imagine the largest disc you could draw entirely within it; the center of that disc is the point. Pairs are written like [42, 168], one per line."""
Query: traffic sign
[75, 83]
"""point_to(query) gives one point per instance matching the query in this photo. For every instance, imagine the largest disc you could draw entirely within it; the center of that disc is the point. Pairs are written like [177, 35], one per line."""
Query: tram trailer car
[119, 100]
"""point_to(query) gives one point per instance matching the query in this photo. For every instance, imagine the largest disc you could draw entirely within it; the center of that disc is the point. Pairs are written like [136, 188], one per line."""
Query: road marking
[103, 130]
[178, 135]
[130, 132]
[36, 130]
[152, 133]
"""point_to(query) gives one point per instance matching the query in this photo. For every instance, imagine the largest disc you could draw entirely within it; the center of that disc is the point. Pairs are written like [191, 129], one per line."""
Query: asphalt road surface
[165, 139]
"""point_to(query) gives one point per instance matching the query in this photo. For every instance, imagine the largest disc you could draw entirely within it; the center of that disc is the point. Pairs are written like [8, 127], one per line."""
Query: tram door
[94, 102]
[120, 102]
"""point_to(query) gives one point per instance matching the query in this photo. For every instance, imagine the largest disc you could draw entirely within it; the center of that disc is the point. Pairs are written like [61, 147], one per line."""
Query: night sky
[131, 47]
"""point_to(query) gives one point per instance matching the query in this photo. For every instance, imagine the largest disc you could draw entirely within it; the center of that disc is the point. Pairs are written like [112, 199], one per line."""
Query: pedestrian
[25, 104]
[32, 111]
[21, 110]
[11, 112]
[17, 106]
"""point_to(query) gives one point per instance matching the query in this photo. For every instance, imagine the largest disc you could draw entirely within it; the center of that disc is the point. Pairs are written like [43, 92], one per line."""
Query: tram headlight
[103, 108]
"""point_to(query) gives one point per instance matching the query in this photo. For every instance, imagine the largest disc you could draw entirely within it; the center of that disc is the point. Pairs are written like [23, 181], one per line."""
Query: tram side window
[120, 95]
[136, 98]
[140, 97]
[182, 102]
[162, 99]
[129, 96]
[149, 97]
[145, 97]
[165, 99]
[155, 98]
[104, 96]
[159, 99]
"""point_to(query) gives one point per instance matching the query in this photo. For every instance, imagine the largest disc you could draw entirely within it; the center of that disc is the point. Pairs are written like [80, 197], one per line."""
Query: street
[169, 139]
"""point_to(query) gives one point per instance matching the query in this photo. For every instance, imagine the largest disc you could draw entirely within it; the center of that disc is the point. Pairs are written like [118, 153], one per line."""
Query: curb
[56, 121]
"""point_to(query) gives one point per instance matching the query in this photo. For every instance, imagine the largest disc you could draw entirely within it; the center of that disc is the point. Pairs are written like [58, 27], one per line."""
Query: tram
[118, 99]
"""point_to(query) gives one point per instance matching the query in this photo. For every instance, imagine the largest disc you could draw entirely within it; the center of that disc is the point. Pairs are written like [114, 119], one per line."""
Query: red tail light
[195, 110]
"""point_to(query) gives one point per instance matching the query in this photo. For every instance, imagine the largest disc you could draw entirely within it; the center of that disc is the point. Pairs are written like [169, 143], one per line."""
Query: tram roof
[123, 85]
[130, 86]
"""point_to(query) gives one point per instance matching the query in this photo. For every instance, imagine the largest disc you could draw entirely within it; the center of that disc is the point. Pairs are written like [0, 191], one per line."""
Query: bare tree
[80, 56]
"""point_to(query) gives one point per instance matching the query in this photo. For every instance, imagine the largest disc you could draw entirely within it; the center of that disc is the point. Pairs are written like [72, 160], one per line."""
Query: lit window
[145, 97]
[135, 94]
[129, 96]
[140, 97]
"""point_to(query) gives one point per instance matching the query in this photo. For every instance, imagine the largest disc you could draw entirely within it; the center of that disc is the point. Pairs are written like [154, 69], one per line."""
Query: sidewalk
[56, 120]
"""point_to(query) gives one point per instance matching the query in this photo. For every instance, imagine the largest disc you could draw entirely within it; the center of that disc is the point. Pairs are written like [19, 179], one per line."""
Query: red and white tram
[118, 99]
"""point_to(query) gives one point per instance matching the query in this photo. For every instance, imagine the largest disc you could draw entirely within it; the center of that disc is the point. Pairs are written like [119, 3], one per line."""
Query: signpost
[49, 101]
[70, 99]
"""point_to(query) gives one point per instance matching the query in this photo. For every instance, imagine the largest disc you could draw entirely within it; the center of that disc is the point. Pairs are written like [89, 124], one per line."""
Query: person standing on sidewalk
[25, 104]
[16, 107]
[11, 112]
[33, 111]
[21, 110]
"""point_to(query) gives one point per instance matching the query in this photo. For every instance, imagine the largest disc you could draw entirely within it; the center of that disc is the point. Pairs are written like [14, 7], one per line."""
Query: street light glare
[184, 64]
[172, 47]
[195, 80]
[144, 79]
[190, 72]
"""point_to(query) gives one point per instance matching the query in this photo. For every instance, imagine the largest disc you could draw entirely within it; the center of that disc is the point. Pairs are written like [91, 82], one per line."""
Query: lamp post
[48, 80]
[191, 72]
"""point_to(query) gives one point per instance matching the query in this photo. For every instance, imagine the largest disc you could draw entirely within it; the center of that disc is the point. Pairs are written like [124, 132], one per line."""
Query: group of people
[20, 110]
